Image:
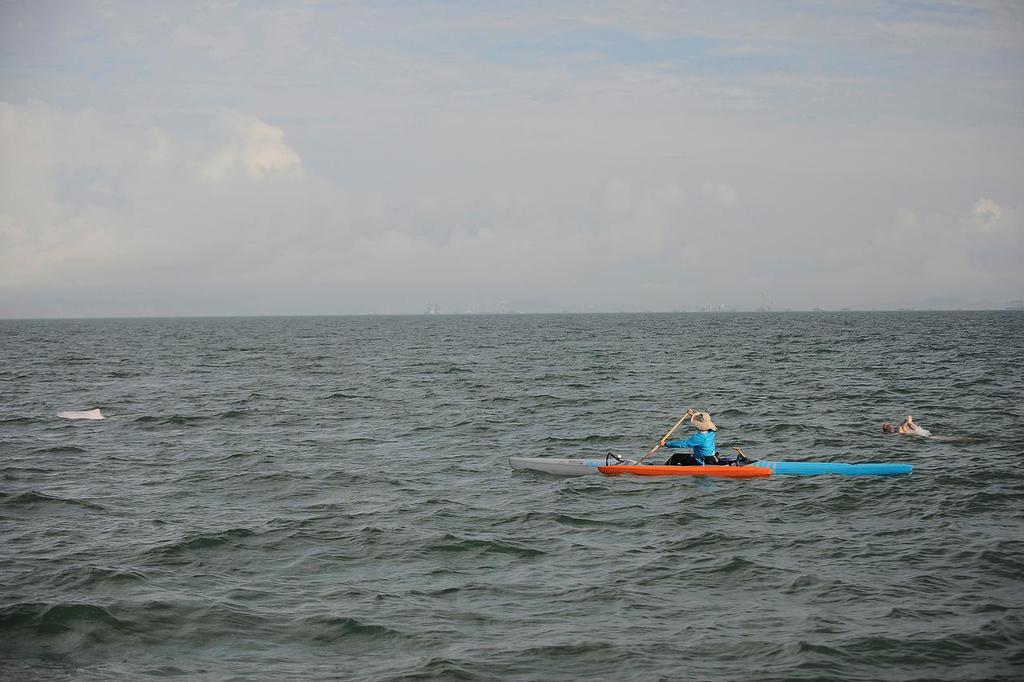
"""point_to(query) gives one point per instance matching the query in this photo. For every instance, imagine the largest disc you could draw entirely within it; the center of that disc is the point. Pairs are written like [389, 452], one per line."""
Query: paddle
[689, 413]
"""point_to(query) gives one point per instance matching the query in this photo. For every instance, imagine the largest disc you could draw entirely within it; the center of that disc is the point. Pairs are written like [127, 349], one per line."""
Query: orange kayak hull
[711, 470]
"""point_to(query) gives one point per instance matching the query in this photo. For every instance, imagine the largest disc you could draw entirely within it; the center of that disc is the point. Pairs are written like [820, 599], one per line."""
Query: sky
[262, 158]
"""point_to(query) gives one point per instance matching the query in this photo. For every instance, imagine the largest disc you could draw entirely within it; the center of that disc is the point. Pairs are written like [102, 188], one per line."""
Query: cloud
[86, 197]
[906, 219]
[725, 195]
[986, 214]
[230, 44]
[126, 208]
[157, 145]
[251, 148]
[226, 216]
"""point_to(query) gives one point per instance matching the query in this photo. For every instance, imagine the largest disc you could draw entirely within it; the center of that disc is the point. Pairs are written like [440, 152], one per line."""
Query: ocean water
[330, 498]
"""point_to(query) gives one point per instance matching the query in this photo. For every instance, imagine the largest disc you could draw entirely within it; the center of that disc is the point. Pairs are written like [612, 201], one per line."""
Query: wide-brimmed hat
[702, 420]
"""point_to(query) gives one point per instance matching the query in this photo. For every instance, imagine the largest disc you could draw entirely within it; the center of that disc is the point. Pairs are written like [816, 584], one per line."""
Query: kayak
[589, 467]
[709, 470]
[840, 468]
[560, 467]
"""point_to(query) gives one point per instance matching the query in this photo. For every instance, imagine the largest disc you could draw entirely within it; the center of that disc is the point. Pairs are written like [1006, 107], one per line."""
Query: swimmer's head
[888, 427]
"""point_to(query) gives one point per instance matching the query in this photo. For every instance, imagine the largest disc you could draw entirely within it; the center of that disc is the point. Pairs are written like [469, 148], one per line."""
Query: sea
[330, 498]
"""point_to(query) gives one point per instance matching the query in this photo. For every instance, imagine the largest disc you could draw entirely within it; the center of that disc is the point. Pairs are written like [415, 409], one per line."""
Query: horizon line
[511, 313]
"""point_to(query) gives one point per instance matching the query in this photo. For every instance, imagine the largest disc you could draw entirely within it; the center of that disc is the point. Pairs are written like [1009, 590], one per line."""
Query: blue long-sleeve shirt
[702, 442]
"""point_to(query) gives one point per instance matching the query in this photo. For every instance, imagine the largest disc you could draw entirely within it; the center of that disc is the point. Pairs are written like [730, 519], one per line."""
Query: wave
[547, 399]
[17, 420]
[329, 629]
[437, 669]
[33, 497]
[199, 542]
[52, 620]
[241, 455]
[176, 419]
[343, 396]
[362, 439]
[944, 653]
[569, 660]
[347, 477]
[449, 543]
[581, 439]
[57, 449]
[91, 576]
[234, 414]
[533, 519]
[776, 430]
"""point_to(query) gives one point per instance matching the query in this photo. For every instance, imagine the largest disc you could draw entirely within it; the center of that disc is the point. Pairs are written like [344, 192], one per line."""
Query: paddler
[702, 442]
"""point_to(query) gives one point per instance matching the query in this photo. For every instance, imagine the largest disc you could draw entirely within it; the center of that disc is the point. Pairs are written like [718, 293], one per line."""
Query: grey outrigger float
[564, 467]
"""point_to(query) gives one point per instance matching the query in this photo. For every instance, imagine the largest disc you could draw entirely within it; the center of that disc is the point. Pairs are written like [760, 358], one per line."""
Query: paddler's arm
[688, 443]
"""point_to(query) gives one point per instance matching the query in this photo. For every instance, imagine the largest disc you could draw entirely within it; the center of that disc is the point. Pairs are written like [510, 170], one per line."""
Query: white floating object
[81, 414]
